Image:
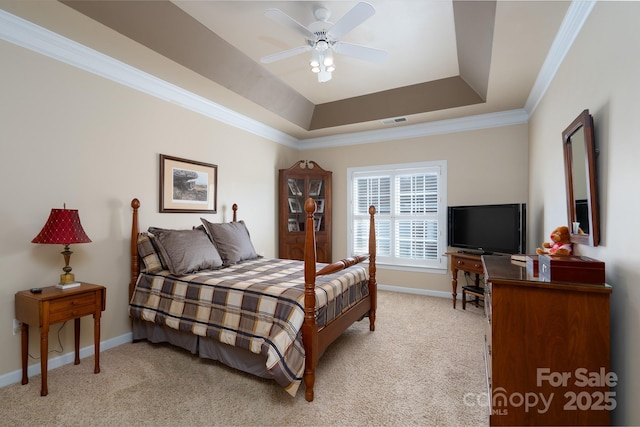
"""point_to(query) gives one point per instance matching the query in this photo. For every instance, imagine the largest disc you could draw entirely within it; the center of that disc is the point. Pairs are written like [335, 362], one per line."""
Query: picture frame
[319, 205]
[187, 186]
[293, 225]
[293, 188]
[294, 205]
[315, 186]
[318, 223]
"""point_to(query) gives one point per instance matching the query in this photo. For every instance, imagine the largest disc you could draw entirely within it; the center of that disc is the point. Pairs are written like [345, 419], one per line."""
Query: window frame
[439, 263]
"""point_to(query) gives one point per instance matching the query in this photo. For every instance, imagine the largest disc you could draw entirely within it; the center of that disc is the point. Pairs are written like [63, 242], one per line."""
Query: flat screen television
[488, 228]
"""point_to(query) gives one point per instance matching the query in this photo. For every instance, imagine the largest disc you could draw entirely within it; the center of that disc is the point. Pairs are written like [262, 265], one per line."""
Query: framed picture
[293, 225]
[187, 185]
[294, 205]
[318, 223]
[315, 186]
[293, 188]
[319, 205]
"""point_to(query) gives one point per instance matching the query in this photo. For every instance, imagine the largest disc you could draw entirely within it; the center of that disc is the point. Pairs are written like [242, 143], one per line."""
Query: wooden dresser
[547, 349]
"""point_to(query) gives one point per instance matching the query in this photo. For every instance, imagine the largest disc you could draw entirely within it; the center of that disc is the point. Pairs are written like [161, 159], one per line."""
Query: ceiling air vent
[394, 121]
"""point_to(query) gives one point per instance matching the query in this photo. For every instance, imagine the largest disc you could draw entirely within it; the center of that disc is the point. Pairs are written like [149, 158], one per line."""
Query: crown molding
[571, 26]
[462, 124]
[33, 37]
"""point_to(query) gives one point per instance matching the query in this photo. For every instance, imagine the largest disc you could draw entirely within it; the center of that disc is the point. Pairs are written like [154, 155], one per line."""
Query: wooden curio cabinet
[303, 180]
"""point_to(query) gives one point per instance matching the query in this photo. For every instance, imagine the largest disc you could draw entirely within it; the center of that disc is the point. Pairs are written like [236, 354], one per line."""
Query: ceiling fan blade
[284, 19]
[356, 16]
[285, 54]
[361, 52]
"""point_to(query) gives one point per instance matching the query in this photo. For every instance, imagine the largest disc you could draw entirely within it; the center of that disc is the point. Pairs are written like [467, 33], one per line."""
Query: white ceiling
[418, 35]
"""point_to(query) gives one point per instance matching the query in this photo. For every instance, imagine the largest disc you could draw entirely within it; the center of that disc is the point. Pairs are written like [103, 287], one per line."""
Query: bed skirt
[204, 347]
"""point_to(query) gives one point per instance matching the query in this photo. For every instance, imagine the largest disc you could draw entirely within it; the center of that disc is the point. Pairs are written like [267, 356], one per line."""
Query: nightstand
[55, 305]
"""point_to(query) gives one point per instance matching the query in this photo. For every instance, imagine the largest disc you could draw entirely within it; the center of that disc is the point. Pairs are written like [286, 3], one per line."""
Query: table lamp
[63, 228]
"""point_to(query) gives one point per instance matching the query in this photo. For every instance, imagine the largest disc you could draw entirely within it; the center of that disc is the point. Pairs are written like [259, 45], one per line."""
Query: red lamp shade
[63, 227]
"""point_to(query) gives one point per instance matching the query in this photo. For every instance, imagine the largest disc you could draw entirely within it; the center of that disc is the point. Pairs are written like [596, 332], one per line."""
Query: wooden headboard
[135, 230]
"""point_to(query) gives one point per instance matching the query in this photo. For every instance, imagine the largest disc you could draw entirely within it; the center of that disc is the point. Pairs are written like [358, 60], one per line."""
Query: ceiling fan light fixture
[315, 59]
[324, 76]
[322, 45]
[322, 37]
[328, 58]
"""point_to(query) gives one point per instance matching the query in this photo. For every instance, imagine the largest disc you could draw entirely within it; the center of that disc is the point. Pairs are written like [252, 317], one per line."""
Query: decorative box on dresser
[547, 349]
[303, 180]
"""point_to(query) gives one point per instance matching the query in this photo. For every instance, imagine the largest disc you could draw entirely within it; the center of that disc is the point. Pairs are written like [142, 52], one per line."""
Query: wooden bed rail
[341, 265]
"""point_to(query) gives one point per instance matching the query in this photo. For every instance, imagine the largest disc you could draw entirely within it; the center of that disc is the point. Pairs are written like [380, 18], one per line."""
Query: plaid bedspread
[257, 305]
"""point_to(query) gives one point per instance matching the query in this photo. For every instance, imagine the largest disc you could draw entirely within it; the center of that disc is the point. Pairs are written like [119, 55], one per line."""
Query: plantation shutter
[410, 213]
[376, 191]
[417, 216]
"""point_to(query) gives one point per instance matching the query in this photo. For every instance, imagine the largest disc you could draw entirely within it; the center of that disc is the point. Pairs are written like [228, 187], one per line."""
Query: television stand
[464, 261]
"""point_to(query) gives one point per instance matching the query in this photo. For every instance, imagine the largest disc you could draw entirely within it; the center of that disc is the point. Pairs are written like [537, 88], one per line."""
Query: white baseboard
[64, 359]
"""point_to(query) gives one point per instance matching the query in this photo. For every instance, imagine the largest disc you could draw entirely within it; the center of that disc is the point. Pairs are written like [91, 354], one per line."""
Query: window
[410, 202]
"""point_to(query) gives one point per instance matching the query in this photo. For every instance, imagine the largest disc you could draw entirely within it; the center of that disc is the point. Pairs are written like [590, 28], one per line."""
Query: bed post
[135, 261]
[310, 327]
[234, 208]
[373, 290]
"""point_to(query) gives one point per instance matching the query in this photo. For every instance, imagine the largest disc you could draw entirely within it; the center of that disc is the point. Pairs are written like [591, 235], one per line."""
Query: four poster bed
[207, 291]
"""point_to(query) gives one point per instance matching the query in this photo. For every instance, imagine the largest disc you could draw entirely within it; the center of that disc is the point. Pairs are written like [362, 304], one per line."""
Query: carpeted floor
[415, 369]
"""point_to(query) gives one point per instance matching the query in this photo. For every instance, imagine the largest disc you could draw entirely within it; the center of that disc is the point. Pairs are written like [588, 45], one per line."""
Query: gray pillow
[232, 240]
[187, 251]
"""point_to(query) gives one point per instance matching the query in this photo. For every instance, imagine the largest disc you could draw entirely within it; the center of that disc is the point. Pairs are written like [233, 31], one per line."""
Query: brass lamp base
[67, 280]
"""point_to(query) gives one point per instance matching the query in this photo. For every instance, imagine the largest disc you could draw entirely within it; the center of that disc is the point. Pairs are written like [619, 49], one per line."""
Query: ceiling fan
[323, 38]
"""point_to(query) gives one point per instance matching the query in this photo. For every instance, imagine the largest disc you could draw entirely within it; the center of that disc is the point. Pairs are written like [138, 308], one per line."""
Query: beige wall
[68, 136]
[600, 73]
[476, 168]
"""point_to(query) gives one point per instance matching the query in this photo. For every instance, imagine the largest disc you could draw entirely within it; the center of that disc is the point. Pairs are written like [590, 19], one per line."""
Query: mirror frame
[583, 121]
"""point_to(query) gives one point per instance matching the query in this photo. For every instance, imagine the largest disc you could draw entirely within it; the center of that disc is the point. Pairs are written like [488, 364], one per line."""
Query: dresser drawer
[469, 265]
[71, 307]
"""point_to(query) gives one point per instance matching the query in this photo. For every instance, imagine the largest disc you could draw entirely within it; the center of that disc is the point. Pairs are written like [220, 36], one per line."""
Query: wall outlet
[16, 326]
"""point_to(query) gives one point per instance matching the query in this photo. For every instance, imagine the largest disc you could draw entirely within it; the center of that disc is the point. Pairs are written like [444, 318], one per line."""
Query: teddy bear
[560, 243]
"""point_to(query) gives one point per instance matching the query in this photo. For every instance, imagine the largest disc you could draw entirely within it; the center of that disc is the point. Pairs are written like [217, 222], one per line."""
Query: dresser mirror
[581, 180]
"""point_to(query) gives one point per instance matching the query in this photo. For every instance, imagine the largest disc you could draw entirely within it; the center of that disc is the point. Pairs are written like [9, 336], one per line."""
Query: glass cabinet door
[295, 200]
[316, 190]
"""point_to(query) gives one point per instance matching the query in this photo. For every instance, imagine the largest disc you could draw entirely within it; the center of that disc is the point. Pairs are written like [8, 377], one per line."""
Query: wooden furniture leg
[44, 353]
[454, 285]
[96, 341]
[76, 333]
[24, 330]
